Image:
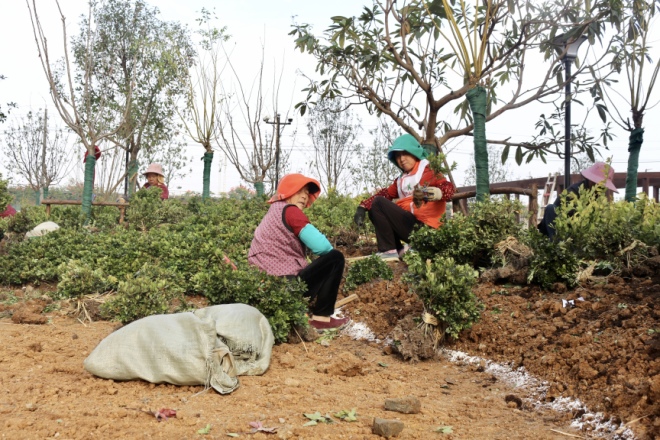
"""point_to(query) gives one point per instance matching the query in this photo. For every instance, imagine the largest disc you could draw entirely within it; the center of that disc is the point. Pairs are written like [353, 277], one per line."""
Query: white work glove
[432, 194]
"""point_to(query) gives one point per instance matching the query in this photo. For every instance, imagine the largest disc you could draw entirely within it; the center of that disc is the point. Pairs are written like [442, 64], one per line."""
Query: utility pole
[277, 124]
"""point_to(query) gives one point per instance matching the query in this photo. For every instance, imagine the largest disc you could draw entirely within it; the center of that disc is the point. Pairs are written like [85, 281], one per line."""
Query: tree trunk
[37, 197]
[88, 187]
[208, 159]
[259, 187]
[634, 145]
[45, 190]
[477, 99]
[132, 176]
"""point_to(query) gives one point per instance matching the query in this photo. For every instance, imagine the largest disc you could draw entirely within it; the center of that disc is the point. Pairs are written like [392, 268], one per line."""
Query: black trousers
[322, 277]
[393, 224]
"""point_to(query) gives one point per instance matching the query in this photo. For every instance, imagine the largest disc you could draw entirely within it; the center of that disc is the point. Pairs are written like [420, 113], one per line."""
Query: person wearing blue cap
[395, 221]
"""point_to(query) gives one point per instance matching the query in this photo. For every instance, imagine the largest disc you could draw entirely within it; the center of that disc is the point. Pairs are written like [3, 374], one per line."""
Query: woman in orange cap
[600, 173]
[155, 177]
[279, 244]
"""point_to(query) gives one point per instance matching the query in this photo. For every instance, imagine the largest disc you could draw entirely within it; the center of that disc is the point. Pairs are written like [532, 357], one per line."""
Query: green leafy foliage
[333, 214]
[150, 291]
[365, 270]
[78, 279]
[346, 415]
[470, 239]
[595, 227]
[26, 219]
[648, 221]
[147, 210]
[279, 299]
[552, 262]
[5, 197]
[445, 288]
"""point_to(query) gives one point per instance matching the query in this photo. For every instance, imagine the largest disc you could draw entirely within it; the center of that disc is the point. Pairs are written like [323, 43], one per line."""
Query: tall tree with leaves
[41, 156]
[139, 59]
[88, 114]
[203, 94]
[410, 60]
[630, 52]
[334, 131]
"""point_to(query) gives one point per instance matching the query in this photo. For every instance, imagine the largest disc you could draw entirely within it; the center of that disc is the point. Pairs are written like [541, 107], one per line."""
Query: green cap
[407, 143]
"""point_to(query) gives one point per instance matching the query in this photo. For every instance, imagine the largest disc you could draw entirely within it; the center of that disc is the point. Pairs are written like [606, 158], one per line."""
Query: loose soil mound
[603, 351]
[602, 346]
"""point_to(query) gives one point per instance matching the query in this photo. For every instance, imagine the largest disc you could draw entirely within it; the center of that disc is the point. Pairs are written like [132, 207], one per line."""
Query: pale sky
[252, 24]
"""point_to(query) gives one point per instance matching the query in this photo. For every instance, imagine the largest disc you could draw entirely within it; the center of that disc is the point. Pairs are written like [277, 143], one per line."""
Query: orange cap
[292, 183]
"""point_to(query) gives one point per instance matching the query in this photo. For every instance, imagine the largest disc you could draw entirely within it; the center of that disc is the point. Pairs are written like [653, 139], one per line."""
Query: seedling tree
[629, 53]
[334, 133]
[244, 108]
[87, 114]
[411, 60]
[42, 157]
[203, 95]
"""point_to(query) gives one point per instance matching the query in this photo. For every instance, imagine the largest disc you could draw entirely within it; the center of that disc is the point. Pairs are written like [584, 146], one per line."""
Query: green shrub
[365, 270]
[647, 221]
[5, 196]
[552, 262]
[333, 216]
[78, 279]
[279, 299]
[26, 219]
[594, 227]
[151, 291]
[470, 239]
[147, 210]
[445, 288]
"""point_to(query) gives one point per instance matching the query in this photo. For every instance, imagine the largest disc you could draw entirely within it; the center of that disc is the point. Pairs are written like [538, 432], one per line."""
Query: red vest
[275, 249]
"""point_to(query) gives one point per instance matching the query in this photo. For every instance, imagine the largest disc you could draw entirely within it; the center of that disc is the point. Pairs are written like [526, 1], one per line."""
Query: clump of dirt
[411, 342]
[29, 312]
[382, 303]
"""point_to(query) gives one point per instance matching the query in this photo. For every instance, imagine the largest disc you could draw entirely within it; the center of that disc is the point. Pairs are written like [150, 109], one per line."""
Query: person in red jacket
[155, 177]
[8, 212]
[395, 221]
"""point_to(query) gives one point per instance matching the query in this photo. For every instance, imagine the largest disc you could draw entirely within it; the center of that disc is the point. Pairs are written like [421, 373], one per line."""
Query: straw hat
[292, 183]
[600, 172]
[155, 168]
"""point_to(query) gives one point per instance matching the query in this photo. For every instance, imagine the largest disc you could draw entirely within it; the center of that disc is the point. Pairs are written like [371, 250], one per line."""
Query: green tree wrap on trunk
[37, 197]
[477, 99]
[634, 145]
[45, 189]
[88, 187]
[208, 159]
[259, 187]
[132, 176]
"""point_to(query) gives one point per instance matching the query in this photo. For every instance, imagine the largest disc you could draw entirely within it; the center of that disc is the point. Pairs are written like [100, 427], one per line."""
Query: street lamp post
[568, 47]
[277, 124]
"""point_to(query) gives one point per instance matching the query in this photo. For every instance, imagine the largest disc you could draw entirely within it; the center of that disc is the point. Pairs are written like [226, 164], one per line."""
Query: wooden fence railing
[459, 200]
[122, 206]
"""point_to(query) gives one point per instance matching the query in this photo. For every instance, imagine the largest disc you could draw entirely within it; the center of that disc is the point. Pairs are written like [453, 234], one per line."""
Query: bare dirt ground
[600, 356]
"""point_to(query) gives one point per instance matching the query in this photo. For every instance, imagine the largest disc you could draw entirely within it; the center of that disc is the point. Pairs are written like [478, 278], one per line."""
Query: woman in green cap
[395, 221]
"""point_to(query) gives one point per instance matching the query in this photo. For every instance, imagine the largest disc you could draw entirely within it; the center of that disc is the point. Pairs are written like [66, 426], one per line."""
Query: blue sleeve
[314, 240]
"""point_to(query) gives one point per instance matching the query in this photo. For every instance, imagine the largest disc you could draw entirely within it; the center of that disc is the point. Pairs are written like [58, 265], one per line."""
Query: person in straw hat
[600, 173]
[155, 177]
[280, 243]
